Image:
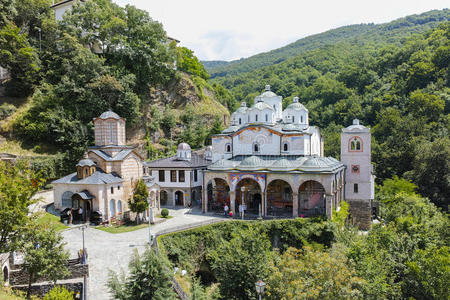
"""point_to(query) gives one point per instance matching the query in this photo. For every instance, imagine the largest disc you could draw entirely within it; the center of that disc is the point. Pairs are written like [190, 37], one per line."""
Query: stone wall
[360, 213]
[18, 276]
[41, 289]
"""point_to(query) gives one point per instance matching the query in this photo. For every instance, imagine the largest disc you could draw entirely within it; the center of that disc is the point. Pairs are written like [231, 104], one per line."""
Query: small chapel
[104, 179]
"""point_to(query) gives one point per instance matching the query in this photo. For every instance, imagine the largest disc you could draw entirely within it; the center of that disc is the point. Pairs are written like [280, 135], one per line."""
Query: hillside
[61, 80]
[393, 32]
[399, 89]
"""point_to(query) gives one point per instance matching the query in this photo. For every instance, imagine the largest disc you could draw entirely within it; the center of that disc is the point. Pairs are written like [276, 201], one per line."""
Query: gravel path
[112, 251]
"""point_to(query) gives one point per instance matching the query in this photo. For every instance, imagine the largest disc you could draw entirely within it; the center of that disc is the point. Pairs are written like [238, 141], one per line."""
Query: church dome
[86, 162]
[242, 109]
[262, 105]
[268, 93]
[184, 146]
[295, 105]
[109, 115]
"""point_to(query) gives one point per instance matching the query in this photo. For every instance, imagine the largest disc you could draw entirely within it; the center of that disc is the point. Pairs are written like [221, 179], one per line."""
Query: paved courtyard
[112, 251]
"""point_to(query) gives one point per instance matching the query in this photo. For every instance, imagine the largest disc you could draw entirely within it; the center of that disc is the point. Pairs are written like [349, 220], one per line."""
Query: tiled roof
[278, 163]
[196, 161]
[99, 177]
[109, 115]
[85, 195]
[85, 162]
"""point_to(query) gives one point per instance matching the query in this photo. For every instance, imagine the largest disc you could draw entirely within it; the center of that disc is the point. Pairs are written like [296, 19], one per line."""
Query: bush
[6, 110]
[164, 212]
[58, 293]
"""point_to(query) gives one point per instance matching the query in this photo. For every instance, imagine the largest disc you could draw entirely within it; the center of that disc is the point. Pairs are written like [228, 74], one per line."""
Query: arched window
[355, 144]
[119, 206]
[301, 119]
[112, 208]
[293, 119]
[267, 117]
[285, 147]
[256, 118]
[255, 147]
[249, 118]
[240, 121]
[228, 148]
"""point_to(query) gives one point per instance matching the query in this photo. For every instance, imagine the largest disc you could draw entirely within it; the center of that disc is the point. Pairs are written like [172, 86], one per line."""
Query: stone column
[232, 200]
[204, 200]
[263, 203]
[158, 200]
[329, 206]
[295, 205]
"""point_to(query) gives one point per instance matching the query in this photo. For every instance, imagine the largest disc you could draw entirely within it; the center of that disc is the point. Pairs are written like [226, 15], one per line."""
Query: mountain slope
[392, 32]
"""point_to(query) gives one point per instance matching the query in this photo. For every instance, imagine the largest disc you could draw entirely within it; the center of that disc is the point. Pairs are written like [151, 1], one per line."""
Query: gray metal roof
[85, 195]
[356, 127]
[261, 106]
[278, 163]
[85, 163]
[99, 177]
[109, 115]
[196, 161]
[296, 106]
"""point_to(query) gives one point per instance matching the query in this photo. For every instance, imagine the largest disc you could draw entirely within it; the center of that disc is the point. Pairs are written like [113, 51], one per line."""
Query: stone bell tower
[109, 129]
[359, 178]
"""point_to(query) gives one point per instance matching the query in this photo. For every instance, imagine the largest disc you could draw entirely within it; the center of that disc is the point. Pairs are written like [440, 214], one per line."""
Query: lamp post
[149, 221]
[260, 285]
[83, 262]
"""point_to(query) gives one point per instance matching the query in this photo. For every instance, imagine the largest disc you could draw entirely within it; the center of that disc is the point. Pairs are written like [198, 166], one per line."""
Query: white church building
[272, 161]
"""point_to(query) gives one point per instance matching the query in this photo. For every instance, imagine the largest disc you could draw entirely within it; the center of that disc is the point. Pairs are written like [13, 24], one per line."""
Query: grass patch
[184, 281]
[15, 147]
[122, 228]
[161, 217]
[48, 218]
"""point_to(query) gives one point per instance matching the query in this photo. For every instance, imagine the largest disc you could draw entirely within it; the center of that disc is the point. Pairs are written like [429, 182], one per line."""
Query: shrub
[6, 110]
[58, 293]
[164, 212]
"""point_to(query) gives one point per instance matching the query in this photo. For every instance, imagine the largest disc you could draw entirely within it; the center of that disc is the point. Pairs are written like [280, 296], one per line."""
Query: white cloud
[225, 30]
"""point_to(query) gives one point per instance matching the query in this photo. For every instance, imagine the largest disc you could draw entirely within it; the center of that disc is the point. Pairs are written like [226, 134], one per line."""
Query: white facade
[264, 129]
[356, 155]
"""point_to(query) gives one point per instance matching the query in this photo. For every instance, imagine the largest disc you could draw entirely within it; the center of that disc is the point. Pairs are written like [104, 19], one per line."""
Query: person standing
[226, 209]
[80, 213]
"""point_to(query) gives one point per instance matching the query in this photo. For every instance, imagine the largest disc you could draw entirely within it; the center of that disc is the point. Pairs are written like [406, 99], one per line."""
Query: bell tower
[359, 178]
[109, 129]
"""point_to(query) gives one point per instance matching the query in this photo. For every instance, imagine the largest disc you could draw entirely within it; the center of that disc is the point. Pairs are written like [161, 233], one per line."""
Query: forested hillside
[100, 56]
[401, 90]
[393, 32]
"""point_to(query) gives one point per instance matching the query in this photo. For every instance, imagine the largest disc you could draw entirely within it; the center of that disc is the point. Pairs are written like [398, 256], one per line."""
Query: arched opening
[355, 144]
[218, 193]
[279, 198]
[311, 198]
[112, 208]
[240, 121]
[285, 147]
[66, 201]
[248, 193]
[179, 198]
[255, 147]
[119, 207]
[5, 274]
[163, 197]
[228, 148]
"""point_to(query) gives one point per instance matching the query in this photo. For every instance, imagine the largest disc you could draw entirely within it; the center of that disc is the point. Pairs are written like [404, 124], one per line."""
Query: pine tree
[139, 202]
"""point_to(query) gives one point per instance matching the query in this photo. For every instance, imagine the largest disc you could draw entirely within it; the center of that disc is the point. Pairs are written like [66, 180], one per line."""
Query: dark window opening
[256, 148]
[267, 117]
[162, 176]
[181, 176]
[112, 190]
[173, 176]
[285, 147]
[240, 121]
[195, 175]
[256, 118]
[355, 188]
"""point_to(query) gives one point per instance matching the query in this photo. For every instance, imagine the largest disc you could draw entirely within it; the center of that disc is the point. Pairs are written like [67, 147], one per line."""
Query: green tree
[313, 274]
[428, 276]
[189, 63]
[7, 11]
[21, 60]
[431, 170]
[240, 262]
[17, 186]
[58, 293]
[148, 278]
[139, 202]
[44, 253]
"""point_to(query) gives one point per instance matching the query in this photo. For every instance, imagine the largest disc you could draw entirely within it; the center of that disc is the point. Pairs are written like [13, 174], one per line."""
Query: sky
[233, 29]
